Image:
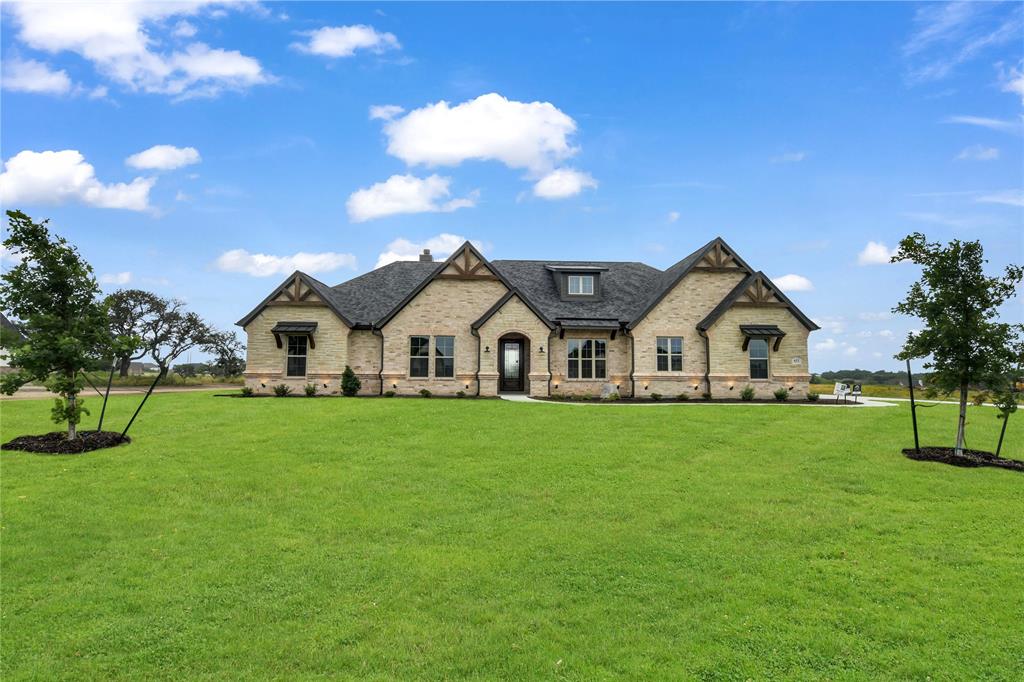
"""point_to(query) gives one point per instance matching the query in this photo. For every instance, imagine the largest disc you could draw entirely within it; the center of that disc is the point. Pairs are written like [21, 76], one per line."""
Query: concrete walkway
[864, 402]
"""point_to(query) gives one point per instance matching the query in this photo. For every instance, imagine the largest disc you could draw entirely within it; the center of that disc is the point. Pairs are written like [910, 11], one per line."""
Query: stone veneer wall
[446, 307]
[364, 359]
[266, 363]
[730, 364]
[515, 317]
[617, 368]
[677, 314]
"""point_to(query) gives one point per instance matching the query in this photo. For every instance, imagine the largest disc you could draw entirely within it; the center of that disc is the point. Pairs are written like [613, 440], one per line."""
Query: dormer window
[581, 285]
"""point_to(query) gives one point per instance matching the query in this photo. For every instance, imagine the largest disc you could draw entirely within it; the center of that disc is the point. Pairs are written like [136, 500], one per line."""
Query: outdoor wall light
[541, 349]
[263, 385]
[325, 385]
[467, 387]
[487, 349]
[731, 387]
[556, 385]
[394, 385]
[695, 387]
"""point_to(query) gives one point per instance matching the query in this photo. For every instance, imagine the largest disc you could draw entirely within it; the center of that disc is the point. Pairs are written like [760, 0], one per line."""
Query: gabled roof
[368, 298]
[505, 299]
[319, 288]
[439, 268]
[740, 289]
[671, 277]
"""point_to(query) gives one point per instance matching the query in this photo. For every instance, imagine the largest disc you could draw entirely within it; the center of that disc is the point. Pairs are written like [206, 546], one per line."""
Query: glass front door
[512, 365]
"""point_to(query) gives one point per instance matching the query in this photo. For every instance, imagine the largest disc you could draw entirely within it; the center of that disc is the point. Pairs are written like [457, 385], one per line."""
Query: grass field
[379, 538]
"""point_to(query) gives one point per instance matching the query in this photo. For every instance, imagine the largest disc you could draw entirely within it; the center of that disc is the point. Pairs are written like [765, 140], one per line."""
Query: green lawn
[420, 538]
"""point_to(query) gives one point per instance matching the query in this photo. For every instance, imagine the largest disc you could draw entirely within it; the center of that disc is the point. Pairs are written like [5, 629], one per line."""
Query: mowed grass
[411, 538]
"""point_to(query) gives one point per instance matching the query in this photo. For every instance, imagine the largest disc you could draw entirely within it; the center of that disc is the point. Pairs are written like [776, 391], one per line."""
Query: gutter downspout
[476, 333]
[380, 373]
[707, 359]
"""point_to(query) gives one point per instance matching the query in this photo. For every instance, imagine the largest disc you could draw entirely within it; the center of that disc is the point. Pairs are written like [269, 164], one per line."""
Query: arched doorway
[513, 363]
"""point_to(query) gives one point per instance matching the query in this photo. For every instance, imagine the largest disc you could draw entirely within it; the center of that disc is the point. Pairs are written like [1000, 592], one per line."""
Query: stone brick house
[708, 324]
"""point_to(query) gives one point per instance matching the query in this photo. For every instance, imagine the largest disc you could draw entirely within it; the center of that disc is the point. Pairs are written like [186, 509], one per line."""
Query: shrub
[705, 396]
[310, 390]
[282, 390]
[655, 396]
[747, 393]
[460, 394]
[587, 396]
[611, 397]
[812, 397]
[980, 398]
[425, 393]
[350, 383]
[683, 397]
[781, 394]
[247, 392]
[389, 394]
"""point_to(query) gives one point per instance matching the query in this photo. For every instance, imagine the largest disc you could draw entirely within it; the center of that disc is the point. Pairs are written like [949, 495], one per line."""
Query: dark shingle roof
[623, 286]
[368, 298]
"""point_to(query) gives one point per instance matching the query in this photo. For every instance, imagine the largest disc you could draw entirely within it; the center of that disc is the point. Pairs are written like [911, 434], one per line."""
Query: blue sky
[335, 136]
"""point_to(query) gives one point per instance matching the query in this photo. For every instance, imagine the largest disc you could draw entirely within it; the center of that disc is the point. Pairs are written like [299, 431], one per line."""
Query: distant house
[9, 333]
[708, 324]
[140, 368]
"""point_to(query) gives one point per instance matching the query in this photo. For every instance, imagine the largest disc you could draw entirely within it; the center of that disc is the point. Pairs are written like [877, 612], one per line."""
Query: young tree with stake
[54, 294]
[963, 342]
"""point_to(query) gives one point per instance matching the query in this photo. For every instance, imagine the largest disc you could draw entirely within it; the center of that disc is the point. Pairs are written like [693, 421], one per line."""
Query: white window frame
[438, 356]
[581, 362]
[766, 359]
[289, 355]
[579, 281]
[669, 354]
[419, 357]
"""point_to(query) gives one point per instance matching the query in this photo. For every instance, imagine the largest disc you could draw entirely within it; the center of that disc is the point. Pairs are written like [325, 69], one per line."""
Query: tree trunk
[72, 427]
[961, 422]
[125, 365]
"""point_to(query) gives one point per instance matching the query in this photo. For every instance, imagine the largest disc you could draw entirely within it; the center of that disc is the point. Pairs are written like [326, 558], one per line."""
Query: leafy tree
[170, 330]
[963, 342]
[55, 295]
[227, 350]
[131, 311]
[350, 383]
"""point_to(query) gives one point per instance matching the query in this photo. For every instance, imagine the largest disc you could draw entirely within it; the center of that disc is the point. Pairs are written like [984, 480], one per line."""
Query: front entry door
[511, 365]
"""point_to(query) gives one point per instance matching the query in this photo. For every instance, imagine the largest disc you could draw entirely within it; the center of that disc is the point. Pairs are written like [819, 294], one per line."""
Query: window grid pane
[758, 349]
[669, 353]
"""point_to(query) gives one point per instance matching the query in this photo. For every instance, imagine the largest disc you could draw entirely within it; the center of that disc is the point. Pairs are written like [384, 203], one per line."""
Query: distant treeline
[866, 376]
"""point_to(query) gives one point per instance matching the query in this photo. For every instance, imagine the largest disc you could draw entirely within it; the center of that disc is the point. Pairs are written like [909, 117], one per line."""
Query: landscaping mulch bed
[970, 458]
[57, 443]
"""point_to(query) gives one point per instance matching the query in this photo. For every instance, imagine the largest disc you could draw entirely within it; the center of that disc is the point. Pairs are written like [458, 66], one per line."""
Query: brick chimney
[425, 257]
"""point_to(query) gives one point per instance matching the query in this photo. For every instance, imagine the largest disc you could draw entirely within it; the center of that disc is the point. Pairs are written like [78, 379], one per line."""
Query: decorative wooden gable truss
[756, 291]
[298, 290]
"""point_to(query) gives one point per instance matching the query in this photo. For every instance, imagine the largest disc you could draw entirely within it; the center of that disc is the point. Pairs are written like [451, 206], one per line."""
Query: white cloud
[1009, 197]
[850, 350]
[117, 39]
[789, 157]
[562, 183]
[826, 345]
[1013, 80]
[875, 253]
[441, 246]
[8, 256]
[673, 216]
[57, 177]
[872, 317]
[833, 324]
[999, 125]
[952, 33]
[343, 41]
[978, 152]
[116, 278]
[263, 265]
[183, 29]
[181, 196]
[99, 92]
[864, 334]
[29, 75]
[404, 194]
[885, 333]
[164, 157]
[794, 283]
[527, 135]
[385, 112]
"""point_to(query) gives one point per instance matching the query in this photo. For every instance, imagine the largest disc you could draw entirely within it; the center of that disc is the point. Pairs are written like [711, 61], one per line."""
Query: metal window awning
[295, 329]
[761, 331]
